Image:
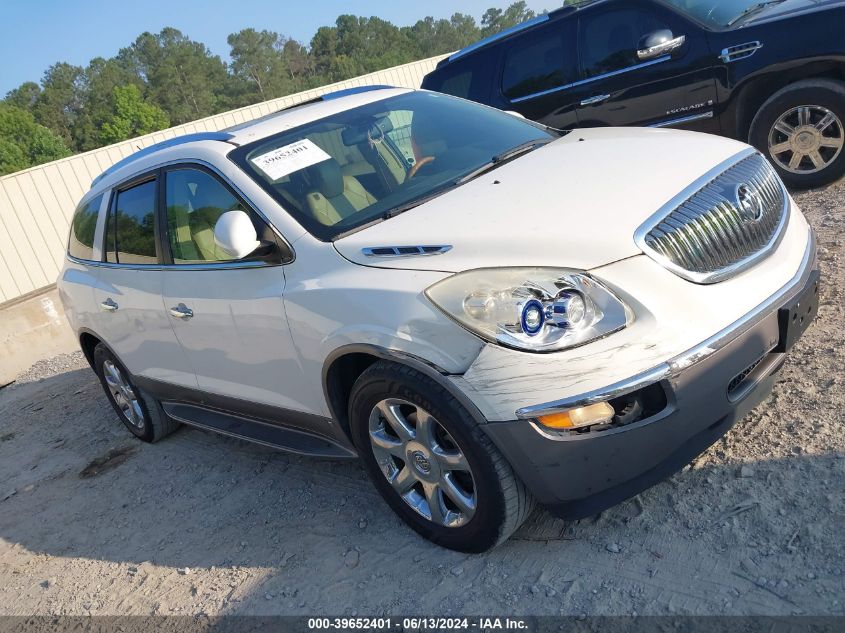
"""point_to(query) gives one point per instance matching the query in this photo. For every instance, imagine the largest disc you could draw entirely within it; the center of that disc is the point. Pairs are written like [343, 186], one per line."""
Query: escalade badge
[749, 203]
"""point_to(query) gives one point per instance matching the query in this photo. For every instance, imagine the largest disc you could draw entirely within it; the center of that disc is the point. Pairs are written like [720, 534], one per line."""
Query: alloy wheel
[422, 462]
[123, 394]
[806, 139]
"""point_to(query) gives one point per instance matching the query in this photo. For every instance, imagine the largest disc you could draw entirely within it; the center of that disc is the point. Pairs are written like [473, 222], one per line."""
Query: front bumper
[707, 390]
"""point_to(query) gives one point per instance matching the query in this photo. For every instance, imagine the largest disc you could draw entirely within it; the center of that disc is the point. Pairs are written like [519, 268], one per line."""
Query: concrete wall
[36, 204]
[31, 329]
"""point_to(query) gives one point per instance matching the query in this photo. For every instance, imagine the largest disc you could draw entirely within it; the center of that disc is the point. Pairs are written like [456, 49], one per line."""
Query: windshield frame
[709, 26]
[330, 233]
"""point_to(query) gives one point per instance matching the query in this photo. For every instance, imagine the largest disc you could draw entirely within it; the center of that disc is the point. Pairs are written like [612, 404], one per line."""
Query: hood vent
[405, 251]
[741, 51]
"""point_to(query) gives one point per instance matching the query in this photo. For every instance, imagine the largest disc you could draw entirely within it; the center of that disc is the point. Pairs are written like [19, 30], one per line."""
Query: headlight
[534, 309]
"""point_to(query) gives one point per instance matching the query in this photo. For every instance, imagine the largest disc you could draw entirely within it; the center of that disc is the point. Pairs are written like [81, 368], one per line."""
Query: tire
[501, 501]
[819, 97]
[147, 421]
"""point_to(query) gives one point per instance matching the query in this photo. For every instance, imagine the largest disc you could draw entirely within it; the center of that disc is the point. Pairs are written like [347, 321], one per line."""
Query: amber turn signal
[581, 417]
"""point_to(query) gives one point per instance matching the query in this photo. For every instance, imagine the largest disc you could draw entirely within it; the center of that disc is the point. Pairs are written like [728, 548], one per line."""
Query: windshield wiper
[754, 8]
[412, 204]
[500, 159]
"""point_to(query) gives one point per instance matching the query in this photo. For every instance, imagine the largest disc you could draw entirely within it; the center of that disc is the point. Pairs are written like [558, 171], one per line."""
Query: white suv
[486, 311]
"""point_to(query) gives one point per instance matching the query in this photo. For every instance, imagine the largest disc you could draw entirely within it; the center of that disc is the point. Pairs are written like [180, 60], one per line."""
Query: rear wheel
[140, 413]
[432, 462]
[801, 130]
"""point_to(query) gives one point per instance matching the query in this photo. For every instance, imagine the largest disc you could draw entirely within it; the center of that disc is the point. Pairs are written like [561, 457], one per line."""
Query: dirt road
[200, 523]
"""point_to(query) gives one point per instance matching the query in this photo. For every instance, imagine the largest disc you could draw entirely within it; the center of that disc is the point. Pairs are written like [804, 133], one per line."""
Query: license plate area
[795, 318]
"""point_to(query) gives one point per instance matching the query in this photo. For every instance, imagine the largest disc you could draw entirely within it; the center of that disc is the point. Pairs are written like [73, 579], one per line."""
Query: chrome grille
[722, 225]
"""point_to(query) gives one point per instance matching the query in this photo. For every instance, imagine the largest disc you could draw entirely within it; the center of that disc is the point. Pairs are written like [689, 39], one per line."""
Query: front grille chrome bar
[722, 224]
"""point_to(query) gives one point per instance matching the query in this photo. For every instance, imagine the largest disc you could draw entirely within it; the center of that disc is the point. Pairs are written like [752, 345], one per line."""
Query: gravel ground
[201, 523]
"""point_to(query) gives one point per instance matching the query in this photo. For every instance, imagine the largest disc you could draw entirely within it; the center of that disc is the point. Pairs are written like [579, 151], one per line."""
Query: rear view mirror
[659, 43]
[235, 234]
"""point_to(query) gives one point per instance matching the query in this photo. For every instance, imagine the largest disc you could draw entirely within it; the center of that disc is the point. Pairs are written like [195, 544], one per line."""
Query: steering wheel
[422, 162]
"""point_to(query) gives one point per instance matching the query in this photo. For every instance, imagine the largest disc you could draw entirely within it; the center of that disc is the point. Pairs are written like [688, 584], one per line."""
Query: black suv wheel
[801, 130]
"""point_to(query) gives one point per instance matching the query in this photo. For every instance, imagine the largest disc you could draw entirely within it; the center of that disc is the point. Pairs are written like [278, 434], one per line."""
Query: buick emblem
[749, 202]
[422, 463]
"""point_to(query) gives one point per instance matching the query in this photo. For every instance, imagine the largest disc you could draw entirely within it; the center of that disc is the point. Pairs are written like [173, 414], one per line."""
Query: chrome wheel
[422, 462]
[806, 139]
[123, 394]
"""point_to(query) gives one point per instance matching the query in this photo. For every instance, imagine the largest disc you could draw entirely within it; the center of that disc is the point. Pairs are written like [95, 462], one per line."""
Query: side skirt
[290, 431]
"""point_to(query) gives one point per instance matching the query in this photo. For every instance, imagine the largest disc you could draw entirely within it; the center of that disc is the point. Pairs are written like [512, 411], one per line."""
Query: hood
[574, 203]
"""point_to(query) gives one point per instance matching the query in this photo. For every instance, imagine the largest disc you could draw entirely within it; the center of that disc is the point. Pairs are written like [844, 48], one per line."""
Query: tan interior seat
[179, 217]
[202, 232]
[332, 196]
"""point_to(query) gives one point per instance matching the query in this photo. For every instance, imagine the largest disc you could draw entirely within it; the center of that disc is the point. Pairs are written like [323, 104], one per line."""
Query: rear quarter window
[467, 79]
[131, 226]
[82, 228]
[541, 61]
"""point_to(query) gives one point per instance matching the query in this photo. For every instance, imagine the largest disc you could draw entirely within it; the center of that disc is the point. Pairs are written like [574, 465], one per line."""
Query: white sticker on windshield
[285, 160]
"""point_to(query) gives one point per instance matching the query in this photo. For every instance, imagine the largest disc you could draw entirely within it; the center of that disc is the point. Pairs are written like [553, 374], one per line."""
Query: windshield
[369, 163]
[718, 13]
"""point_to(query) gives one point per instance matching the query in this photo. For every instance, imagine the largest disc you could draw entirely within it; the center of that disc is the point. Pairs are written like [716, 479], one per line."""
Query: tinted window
[195, 201]
[134, 224]
[309, 172]
[82, 227]
[610, 40]
[458, 85]
[538, 62]
[467, 78]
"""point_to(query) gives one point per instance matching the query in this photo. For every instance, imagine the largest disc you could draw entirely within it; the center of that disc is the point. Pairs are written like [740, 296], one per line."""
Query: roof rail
[337, 94]
[490, 39]
[171, 142]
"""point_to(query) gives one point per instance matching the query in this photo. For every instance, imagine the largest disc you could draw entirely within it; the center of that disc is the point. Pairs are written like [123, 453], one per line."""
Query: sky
[37, 33]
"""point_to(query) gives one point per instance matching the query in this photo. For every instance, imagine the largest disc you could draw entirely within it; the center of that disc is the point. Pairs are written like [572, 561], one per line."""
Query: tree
[182, 76]
[495, 20]
[59, 100]
[98, 82]
[24, 143]
[24, 96]
[256, 59]
[132, 116]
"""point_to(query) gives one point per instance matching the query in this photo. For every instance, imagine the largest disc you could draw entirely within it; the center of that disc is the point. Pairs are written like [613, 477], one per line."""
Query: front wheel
[801, 130]
[432, 462]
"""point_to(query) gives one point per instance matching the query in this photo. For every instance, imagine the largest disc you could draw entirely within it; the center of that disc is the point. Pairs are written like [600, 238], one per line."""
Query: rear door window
[540, 61]
[82, 228]
[131, 222]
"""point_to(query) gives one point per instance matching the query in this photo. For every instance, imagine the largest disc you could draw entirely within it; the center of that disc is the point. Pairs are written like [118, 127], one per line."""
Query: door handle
[108, 305]
[595, 100]
[181, 312]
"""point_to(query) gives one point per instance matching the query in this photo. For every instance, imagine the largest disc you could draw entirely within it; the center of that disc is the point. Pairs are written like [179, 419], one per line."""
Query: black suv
[769, 73]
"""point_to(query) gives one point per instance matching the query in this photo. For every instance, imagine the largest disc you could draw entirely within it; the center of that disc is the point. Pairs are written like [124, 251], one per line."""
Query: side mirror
[659, 43]
[235, 234]
[515, 113]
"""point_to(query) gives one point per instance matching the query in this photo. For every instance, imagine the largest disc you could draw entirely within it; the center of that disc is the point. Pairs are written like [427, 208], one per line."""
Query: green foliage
[132, 116]
[167, 78]
[24, 143]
